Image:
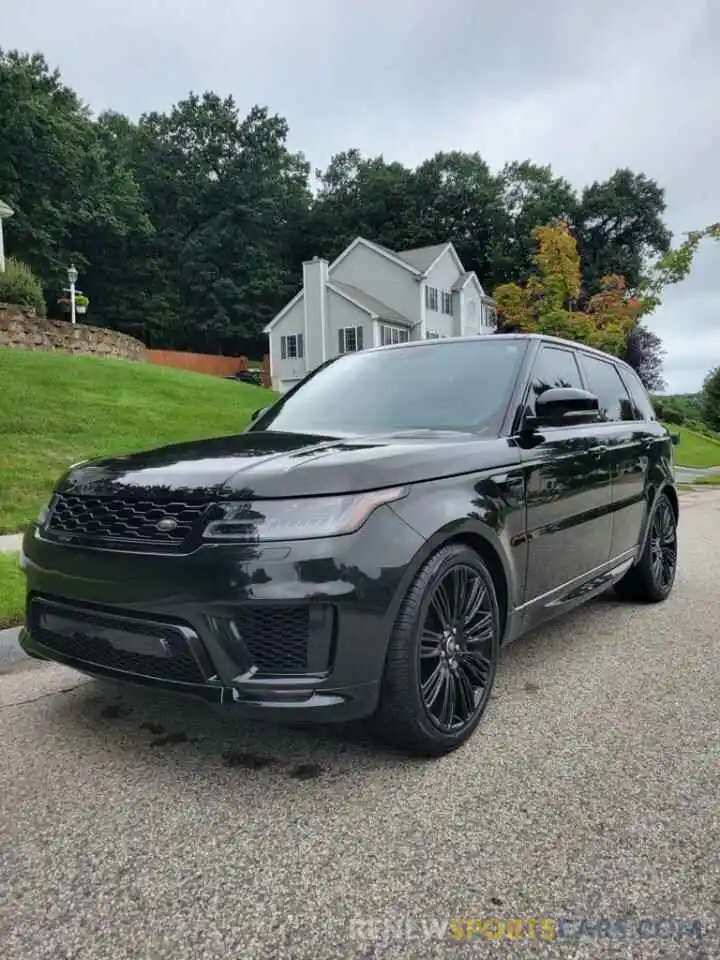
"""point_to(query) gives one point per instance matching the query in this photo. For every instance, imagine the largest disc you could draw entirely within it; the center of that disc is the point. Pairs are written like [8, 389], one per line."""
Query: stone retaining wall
[21, 329]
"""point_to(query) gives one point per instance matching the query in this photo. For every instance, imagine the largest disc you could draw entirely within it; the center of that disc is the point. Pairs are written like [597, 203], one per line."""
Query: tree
[531, 196]
[224, 196]
[548, 302]
[710, 401]
[72, 197]
[619, 226]
[644, 353]
[674, 266]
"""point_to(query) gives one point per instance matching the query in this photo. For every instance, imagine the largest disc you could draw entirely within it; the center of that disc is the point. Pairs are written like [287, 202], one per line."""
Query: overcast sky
[586, 87]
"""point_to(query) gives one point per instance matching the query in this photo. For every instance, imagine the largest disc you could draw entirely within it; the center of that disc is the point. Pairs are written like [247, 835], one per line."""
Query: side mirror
[675, 437]
[564, 407]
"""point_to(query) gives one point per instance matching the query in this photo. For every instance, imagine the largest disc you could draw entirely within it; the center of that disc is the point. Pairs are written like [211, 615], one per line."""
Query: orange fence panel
[198, 362]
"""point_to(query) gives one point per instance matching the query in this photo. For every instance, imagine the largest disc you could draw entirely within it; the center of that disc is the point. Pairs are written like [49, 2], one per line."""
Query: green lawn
[56, 409]
[12, 591]
[695, 450]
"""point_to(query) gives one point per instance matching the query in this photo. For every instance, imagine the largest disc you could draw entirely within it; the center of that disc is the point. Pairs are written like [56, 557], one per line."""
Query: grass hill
[695, 449]
[56, 409]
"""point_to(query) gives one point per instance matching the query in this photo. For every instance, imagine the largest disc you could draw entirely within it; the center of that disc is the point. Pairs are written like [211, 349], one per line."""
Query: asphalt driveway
[133, 827]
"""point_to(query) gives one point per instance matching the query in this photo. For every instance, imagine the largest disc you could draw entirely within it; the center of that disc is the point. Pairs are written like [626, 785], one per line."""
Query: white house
[372, 296]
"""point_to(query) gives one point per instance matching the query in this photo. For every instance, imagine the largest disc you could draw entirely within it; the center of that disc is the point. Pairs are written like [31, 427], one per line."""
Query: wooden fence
[198, 362]
[208, 363]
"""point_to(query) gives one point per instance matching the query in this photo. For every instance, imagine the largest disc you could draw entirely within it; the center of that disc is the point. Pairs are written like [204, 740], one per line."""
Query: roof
[5, 210]
[373, 305]
[422, 257]
[462, 280]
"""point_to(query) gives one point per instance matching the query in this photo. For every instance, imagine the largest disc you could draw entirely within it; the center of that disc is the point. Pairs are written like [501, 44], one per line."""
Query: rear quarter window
[641, 401]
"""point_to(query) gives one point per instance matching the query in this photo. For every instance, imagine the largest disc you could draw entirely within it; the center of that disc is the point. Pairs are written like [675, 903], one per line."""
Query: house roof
[422, 257]
[374, 306]
[462, 280]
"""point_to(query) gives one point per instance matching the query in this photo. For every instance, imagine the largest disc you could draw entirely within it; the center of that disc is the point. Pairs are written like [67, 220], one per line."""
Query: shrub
[660, 406]
[674, 416]
[19, 285]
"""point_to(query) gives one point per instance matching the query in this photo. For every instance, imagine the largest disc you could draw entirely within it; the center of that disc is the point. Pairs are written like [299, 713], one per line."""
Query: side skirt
[568, 596]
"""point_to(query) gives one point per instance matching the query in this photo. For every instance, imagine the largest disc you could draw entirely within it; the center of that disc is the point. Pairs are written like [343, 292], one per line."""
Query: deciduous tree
[548, 301]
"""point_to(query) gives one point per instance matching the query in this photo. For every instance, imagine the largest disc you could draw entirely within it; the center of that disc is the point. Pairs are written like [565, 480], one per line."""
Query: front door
[568, 489]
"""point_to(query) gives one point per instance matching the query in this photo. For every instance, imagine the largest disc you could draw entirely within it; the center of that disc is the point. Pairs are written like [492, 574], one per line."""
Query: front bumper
[298, 629]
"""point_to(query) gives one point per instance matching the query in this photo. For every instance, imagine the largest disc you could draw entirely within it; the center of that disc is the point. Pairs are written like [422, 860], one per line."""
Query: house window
[432, 335]
[350, 339]
[431, 298]
[392, 335]
[291, 347]
[489, 317]
[446, 302]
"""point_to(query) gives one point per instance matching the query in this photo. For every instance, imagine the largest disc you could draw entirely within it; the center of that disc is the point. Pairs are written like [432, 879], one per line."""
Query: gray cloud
[585, 87]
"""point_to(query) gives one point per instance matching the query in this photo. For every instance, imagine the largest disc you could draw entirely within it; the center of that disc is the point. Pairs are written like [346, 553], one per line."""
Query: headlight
[300, 519]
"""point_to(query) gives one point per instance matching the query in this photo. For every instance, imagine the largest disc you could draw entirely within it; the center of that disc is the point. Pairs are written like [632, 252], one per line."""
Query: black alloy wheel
[442, 657]
[663, 545]
[456, 648]
[652, 578]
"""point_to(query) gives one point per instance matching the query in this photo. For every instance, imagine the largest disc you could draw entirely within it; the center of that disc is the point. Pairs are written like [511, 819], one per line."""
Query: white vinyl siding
[350, 339]
[390, 335]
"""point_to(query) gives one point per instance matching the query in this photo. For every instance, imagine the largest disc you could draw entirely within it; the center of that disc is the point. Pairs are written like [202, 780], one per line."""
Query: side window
[605, 382]
[554, 367]
[638, 395]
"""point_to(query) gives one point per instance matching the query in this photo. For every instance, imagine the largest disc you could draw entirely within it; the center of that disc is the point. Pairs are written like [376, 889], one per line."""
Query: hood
[264, 464]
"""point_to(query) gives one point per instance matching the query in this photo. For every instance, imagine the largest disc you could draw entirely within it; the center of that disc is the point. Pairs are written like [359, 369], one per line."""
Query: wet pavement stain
[179, 737]
[249, 761]
[154, 728]
[113, 711]
[306, 771]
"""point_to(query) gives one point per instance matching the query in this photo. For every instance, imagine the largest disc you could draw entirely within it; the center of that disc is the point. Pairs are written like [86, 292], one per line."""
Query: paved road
[690, 474]
[133, 828]
[10, 649]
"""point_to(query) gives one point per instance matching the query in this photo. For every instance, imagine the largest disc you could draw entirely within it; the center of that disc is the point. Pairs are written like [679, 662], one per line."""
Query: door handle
[510, 481]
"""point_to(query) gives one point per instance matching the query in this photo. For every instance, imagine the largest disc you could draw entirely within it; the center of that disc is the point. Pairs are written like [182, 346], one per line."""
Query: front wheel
[442, 657]
[651, 579]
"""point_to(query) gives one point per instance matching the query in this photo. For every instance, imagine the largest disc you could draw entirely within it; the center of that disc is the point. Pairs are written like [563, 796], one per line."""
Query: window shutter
[359, 337]
[300, 345]
[341, 341]
[283, 348]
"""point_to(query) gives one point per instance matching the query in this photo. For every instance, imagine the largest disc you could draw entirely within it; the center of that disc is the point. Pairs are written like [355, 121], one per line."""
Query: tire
[651, 579]
[458, 669]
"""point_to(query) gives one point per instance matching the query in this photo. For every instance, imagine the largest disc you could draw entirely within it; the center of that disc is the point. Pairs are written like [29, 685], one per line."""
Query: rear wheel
[651, 579]
[442, 657]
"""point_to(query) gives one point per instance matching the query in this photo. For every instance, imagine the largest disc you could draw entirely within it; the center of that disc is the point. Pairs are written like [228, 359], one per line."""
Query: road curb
[10, 650]
[11, 542]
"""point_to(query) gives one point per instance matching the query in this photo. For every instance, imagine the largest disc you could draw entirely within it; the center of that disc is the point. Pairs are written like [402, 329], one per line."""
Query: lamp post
[72, 277]
[5, 213]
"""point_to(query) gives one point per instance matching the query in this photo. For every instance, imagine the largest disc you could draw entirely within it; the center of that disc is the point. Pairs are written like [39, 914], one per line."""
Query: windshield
[463, 385]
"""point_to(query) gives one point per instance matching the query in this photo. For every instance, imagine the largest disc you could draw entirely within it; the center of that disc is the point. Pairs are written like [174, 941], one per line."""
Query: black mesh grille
[94, 518]
[78, 634]
[277, 637]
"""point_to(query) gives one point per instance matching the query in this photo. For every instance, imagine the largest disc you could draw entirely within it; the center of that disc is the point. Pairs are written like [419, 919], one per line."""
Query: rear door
[628, 440]
[568, 494]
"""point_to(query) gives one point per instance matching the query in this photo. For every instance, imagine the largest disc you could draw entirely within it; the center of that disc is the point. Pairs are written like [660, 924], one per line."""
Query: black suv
[371, 542]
